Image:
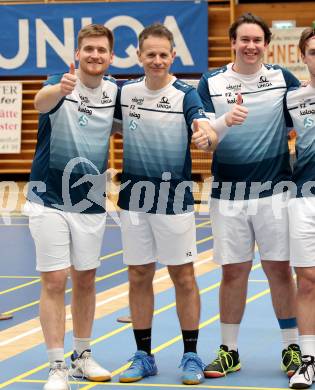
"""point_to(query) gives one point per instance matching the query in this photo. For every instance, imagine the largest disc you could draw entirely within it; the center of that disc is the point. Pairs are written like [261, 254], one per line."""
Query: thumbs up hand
[201, 136]
[238, 114]
[239, 99]
[68, 81]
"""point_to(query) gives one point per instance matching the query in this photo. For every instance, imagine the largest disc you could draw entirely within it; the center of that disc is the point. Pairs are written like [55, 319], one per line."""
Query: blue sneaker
[142, 365]
[192, 369]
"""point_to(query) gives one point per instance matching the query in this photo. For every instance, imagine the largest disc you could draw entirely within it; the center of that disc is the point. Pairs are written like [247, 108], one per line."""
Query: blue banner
[41, 39]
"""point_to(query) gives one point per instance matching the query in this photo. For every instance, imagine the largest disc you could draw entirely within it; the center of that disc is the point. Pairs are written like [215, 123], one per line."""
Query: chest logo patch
[308, 122]
[83, 120]
[133, 125]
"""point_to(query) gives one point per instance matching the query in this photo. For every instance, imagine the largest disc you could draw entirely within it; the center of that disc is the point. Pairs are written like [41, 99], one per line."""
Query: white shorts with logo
[63, 239]
[168, 239]
[237, 225]
[302, 232]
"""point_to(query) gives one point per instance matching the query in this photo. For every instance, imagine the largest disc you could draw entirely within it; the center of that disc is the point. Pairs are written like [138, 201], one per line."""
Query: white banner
[10, 117]
[284, 50]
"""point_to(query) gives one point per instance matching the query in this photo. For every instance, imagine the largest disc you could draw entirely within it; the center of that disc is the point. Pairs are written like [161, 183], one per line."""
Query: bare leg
[233, 292]
[306, 300]
[141, 297]
[83, 302]
[282, 287]
[187, 295]
[52, 307]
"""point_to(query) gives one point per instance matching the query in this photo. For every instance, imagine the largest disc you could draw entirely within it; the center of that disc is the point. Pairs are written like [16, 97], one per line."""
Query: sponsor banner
[41, 39]
[283, 50]
[10, 117]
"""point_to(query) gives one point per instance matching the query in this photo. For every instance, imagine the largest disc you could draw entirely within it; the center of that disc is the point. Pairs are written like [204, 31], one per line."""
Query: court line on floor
[98, 279]
[19, 287]
[98, 304]
[124, 327]
[162, 385]
[18, 277]
[179, 337]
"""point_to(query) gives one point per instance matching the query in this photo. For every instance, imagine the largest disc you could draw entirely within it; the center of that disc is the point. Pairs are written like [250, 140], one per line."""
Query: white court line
[101, 303]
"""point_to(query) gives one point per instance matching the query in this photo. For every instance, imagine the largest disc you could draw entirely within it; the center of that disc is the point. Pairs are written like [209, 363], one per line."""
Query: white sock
[289, 336]
[81, 344]
[55, 354]
[229, 335]
[307, 344]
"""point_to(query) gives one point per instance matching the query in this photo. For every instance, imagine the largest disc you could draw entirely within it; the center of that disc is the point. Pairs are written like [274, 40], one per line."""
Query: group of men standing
[242, 112]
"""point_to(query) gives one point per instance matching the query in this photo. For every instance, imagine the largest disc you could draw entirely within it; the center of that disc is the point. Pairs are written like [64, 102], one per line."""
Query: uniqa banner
[10, 117]
[41, 39]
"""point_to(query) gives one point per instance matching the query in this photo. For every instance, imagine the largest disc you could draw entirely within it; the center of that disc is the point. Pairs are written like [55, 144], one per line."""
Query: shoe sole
[99, 378]
[130, 380]
[300, 386]
[191, 382]
[135, 379]
[68, 388]
[217, 374]
[94, 378]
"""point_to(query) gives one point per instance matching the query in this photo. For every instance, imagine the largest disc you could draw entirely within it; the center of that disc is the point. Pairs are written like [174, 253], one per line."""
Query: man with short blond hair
[66, 203]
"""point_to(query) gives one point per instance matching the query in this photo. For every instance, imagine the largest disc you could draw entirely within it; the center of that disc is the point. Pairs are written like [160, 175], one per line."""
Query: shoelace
[140, 361]
[295, 357]
[84, 359]
[228, 360]
[194, 362]
[61, 372]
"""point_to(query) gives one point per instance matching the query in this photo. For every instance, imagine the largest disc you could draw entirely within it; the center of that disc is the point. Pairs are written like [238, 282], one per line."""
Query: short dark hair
[96, 30]
[250, 19]
[308, 33]
[156, 30]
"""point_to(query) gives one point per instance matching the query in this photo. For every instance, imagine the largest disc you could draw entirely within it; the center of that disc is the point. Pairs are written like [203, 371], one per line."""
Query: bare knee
[232, 273]
[183, 278]
[83, 281]
[306, 281]
[54, 282]
[279, 271]
[141, 276]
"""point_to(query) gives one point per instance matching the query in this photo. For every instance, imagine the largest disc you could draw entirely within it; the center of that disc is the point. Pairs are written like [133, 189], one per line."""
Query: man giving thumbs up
[244, 100]
[67, 220]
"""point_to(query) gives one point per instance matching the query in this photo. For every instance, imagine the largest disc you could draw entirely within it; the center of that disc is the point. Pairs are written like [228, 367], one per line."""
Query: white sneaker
[304, 376]
[84, 366]
[58, 377]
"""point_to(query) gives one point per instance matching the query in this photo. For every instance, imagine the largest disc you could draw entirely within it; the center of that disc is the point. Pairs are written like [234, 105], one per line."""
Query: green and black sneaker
[226, 362]
[291, 359]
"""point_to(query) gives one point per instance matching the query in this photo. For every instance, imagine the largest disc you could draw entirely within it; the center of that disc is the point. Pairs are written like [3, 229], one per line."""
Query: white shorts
[63, 239]
[237, 225]
[168, 239]
[302, 232]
